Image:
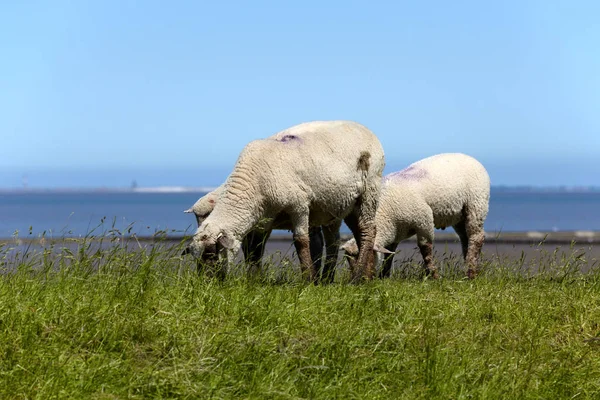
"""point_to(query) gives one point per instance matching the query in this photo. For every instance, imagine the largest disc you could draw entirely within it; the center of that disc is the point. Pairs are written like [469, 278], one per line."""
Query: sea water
[76, 214]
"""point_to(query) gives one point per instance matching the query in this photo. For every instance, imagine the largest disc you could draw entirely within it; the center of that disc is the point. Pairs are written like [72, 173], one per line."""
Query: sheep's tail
[363, 165]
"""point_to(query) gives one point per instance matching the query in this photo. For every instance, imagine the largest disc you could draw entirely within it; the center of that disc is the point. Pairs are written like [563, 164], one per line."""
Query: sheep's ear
[212, 199]
[226, 241]
[381, 249]
[189, 210]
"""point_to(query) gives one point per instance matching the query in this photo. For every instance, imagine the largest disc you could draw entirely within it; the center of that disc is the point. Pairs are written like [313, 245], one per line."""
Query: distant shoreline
[526, 237]
[205, 189]
[109, 190]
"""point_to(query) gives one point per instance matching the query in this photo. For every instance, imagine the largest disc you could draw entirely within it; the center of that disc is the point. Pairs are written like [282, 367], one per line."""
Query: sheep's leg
[227, 263]
[302, 243]
[262, 244]
[315, 234]
[461, 231]
[475, 232]
[388, 261]
[366, 257]
[362, 223]
[253, 246]
[332, 243]
[248, 248]
[425, 243]
[367, 206]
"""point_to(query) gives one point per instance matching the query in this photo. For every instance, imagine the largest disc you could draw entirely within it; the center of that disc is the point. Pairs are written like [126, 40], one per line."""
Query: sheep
[313, 174]
[451, 189]
[253, 244]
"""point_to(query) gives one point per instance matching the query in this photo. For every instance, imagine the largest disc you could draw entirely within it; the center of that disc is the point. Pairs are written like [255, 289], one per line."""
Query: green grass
[142, 324]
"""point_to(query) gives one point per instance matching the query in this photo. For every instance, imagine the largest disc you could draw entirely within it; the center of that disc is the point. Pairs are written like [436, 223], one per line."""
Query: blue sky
[100, 93]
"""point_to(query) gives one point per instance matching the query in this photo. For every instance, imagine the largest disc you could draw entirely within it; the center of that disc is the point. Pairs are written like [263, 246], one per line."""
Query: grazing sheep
[253, 244]
[312, 174]
[444, 190]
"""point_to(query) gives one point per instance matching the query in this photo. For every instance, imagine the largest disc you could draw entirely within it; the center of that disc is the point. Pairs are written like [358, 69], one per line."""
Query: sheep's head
[351, 251]
[210, 242]
[350, 248]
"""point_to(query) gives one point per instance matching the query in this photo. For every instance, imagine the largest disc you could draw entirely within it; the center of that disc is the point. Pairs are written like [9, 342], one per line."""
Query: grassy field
[119, 323]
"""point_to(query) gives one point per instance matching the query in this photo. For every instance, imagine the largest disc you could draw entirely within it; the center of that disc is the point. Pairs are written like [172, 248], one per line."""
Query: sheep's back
[316, 161]
[446, 183]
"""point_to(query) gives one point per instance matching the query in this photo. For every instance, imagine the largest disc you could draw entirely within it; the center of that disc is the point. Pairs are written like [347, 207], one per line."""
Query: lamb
[253, 244]
[313, 174]
[449, 189]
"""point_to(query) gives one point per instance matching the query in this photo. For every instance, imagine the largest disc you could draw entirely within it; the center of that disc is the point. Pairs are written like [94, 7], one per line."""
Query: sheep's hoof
[431, 273]
[325, 279]
[471, 273]
[358, 279]
[310, 276]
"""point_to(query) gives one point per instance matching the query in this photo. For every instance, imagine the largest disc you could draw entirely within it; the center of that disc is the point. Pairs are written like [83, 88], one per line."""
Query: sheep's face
[204, 248]
[208, 243]
[351, 252]
[350, 248]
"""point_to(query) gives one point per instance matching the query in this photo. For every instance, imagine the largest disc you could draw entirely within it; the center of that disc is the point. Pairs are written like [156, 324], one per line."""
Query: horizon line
[206, 189]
